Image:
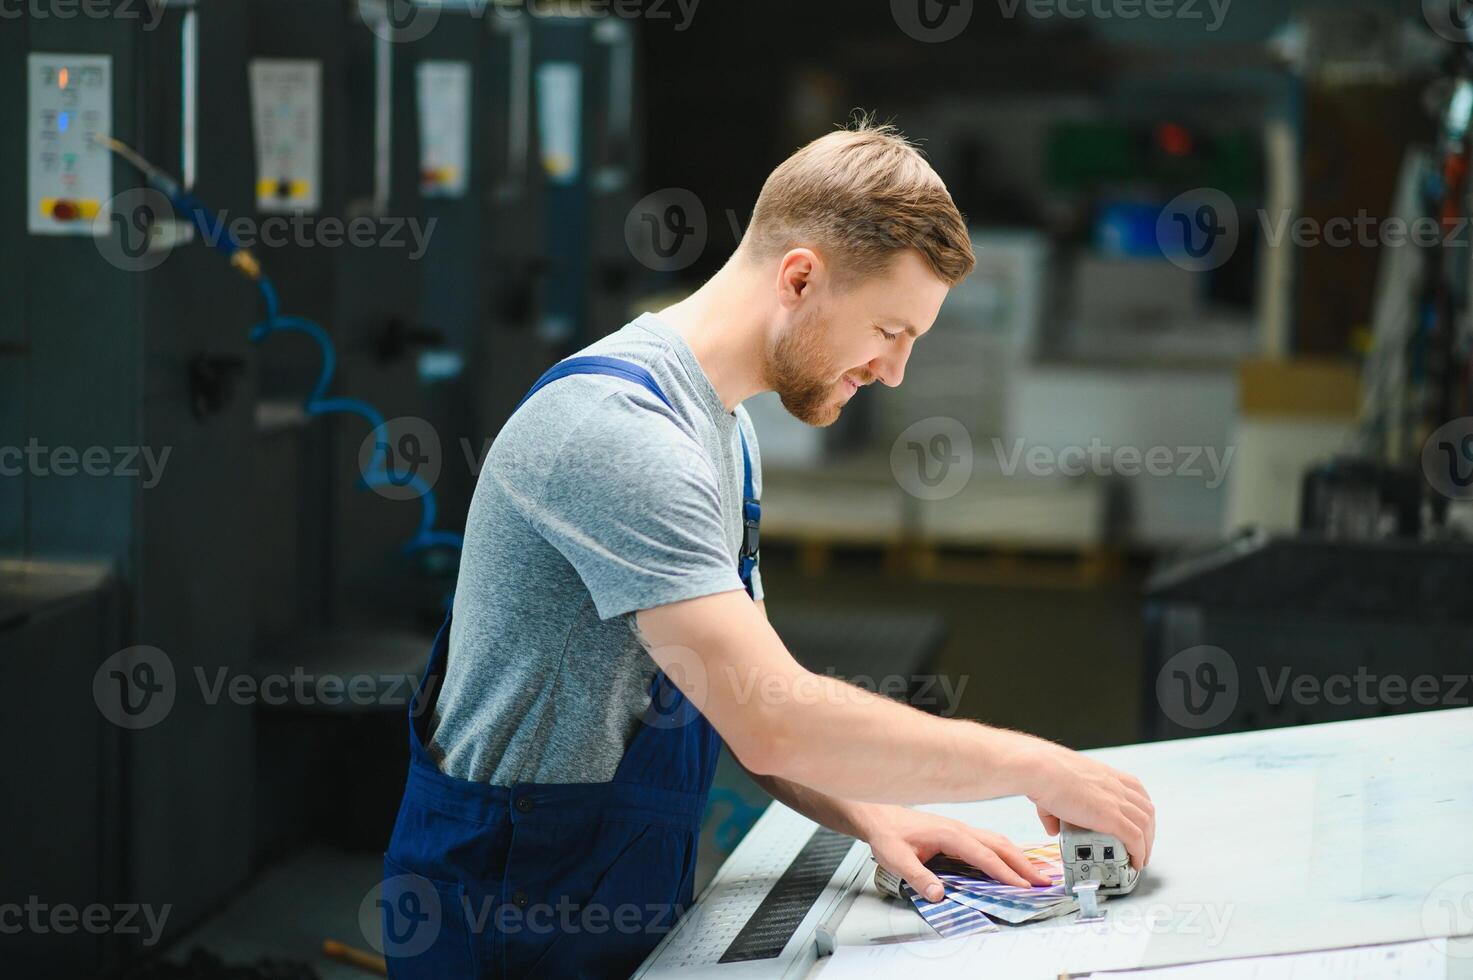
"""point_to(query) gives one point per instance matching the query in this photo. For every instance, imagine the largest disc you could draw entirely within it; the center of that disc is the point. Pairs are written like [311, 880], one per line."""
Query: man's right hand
[1092, 795]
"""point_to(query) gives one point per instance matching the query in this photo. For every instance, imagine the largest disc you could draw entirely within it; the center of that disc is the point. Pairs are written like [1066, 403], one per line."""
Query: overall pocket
[426, 926]
[595, 903]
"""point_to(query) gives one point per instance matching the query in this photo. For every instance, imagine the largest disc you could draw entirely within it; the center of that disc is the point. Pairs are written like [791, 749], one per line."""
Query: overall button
[520, 899]
[524, 804]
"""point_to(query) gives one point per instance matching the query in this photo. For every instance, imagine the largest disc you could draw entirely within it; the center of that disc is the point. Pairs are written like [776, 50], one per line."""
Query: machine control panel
[286, 107]
[69, 174]
[444, 94]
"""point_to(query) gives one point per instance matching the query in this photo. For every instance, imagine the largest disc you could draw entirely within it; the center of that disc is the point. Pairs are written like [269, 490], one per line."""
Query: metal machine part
[1090, 856]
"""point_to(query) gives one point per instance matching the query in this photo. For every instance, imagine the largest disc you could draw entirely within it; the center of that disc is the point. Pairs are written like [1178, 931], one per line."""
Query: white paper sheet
[1023, 952]
[1424, 960]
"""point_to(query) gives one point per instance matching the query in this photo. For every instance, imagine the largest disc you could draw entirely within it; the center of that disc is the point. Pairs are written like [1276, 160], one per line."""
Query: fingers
[1130, 823]
[1143, 815]
[917, 875]
[1137, 794]
[1014, 857]
[1050, 822]
[971, 850]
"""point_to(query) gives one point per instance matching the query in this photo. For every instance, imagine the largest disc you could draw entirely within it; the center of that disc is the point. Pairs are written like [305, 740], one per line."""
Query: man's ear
[797, 273]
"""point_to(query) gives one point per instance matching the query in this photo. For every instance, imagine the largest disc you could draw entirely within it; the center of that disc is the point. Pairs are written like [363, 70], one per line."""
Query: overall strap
[617, 368]
[751, 519]
[591, 364]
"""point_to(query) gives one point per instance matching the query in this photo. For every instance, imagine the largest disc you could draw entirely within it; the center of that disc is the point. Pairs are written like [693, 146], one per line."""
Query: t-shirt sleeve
[634, 506]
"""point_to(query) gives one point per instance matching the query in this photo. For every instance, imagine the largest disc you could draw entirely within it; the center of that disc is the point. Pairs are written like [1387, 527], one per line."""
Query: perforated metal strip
[775, 920]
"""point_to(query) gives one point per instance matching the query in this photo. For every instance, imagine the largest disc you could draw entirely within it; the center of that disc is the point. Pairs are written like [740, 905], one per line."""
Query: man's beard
[801, 374]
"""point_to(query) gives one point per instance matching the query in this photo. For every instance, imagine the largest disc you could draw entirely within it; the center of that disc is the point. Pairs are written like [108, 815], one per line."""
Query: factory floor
[1062, 662]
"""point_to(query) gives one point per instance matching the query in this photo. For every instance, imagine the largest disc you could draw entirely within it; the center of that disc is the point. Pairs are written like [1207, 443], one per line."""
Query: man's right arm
[782, 720]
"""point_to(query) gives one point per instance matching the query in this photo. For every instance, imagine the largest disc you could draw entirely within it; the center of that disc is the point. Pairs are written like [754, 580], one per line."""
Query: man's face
[837, 341]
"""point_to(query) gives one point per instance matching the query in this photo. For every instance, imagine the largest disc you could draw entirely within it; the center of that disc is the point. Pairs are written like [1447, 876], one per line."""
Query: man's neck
[725, 326]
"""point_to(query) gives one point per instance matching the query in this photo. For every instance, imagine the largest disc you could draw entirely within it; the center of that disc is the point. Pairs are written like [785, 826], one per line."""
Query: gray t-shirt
[595, 501]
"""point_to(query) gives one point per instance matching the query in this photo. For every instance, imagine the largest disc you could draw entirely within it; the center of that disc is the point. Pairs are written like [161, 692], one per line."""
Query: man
[608, 622]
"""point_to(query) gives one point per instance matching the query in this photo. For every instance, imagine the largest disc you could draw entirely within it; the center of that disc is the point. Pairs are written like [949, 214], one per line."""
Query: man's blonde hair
[858, 196]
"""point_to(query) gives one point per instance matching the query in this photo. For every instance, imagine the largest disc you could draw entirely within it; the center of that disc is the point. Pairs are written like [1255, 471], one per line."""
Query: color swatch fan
[975, 901]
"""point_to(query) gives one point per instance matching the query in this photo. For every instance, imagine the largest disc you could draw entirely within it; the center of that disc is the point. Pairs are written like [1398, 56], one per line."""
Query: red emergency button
[69, 208]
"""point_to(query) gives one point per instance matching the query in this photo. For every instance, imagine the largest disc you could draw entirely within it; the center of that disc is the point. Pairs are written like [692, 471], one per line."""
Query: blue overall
[552, 880]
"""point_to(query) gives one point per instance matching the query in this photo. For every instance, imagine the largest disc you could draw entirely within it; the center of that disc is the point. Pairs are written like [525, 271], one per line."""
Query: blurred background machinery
[1205, 410]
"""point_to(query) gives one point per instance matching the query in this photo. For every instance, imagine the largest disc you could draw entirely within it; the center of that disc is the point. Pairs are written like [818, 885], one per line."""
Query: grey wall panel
[50, 651]
[13, 47]
[12, 436]
[80, 313]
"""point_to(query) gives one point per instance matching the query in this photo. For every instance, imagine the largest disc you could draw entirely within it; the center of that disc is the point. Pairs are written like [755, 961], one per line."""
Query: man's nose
[890, 371]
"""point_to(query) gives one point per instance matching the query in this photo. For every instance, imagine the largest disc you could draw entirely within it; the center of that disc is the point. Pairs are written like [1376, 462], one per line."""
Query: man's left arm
[902, 839]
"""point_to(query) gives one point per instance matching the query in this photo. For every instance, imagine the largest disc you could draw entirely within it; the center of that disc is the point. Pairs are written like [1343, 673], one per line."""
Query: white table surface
[1292, 839]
